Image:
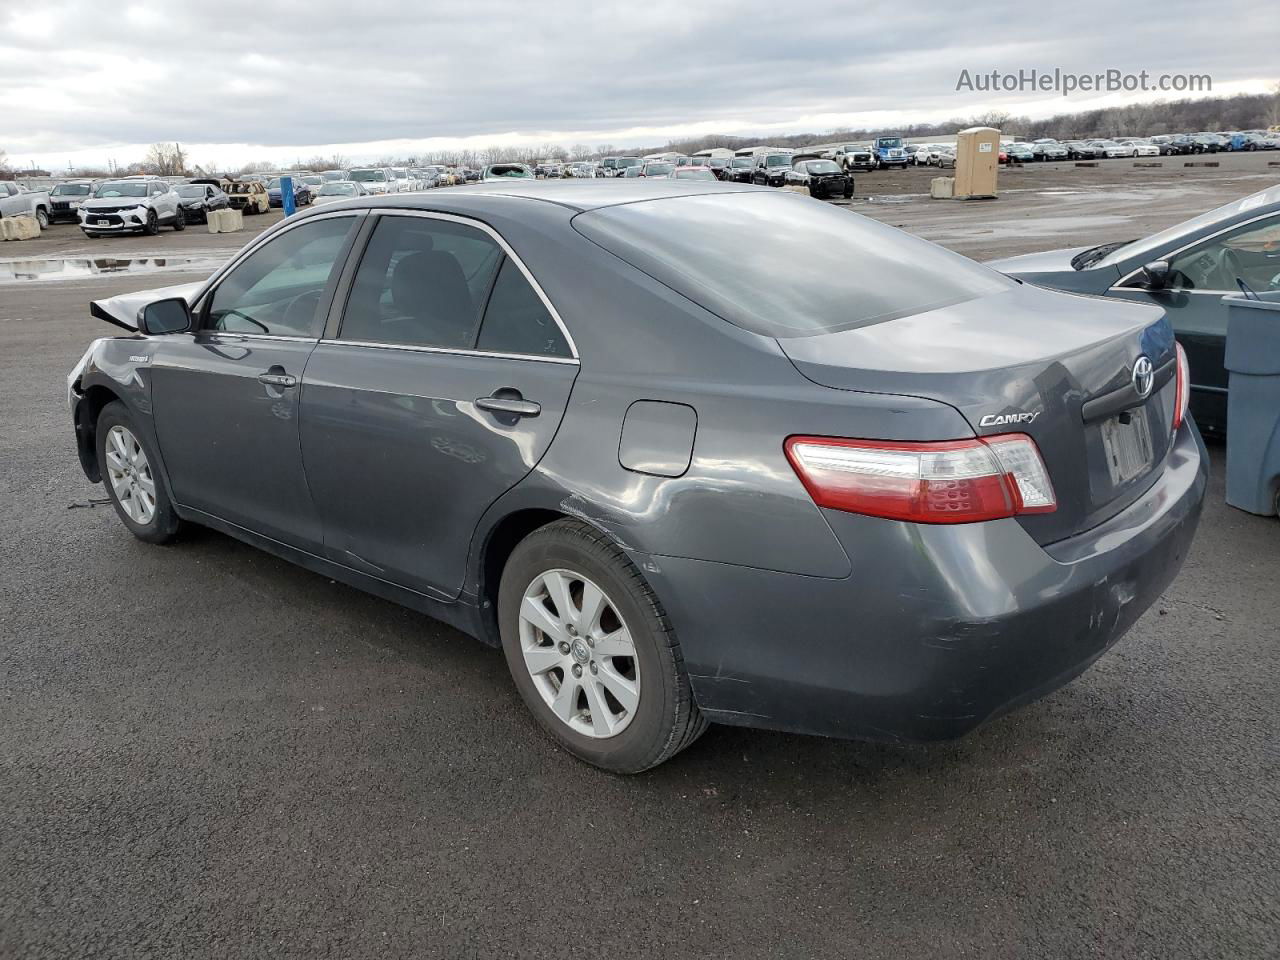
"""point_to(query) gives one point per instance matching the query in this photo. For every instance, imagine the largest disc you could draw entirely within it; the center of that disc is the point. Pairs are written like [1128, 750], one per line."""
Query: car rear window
[805, 269]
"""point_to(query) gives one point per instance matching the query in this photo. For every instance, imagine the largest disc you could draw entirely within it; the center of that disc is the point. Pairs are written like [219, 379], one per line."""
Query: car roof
[579, 195]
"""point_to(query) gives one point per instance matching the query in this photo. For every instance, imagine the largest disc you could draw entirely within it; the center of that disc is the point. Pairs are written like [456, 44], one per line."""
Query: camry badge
[1003, 419]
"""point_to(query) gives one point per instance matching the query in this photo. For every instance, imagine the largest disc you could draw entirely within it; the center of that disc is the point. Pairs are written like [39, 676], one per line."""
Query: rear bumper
[938, 629]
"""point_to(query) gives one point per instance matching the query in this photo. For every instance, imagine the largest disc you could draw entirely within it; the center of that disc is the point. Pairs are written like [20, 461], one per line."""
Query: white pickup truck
[15, 201]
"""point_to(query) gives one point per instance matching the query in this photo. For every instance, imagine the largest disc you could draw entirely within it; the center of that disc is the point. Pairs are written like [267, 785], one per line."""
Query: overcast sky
[84, 80]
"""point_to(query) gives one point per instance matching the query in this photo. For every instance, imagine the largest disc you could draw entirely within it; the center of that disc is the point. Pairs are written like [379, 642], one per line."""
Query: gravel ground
[206, 752]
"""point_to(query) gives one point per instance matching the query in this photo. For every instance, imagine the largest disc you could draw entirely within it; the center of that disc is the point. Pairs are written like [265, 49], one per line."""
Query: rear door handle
[277, 379]
[510, 406]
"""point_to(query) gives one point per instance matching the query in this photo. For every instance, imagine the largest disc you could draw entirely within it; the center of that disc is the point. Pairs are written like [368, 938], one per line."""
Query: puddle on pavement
[76, 268]
[1025, 227]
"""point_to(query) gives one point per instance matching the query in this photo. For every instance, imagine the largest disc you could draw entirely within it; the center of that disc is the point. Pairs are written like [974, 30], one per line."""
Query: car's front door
[441, 388]
[225, 396]
[1201, 275]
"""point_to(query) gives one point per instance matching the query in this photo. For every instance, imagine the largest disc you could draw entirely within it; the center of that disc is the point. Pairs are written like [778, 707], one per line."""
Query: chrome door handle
[509, 406]
[277, 379]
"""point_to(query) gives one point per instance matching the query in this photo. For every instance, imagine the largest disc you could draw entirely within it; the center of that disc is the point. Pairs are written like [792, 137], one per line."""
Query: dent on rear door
[400, 461]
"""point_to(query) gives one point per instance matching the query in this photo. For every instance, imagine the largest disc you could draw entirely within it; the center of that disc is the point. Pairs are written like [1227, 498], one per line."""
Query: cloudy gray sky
[238, 80]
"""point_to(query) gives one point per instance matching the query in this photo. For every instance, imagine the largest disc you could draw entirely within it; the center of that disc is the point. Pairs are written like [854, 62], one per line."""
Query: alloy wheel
[580, 654]
[130, 475]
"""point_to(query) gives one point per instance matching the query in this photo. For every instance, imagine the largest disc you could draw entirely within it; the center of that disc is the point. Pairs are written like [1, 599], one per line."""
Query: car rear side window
[277, 289]
[421, 282]
[805, 268]
[517, 321]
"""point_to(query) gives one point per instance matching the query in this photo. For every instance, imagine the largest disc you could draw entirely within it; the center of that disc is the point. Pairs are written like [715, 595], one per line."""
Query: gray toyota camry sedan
[688, 452]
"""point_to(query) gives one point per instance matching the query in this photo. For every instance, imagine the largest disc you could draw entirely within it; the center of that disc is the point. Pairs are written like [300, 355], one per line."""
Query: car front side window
[1250, 253]
[277, 289]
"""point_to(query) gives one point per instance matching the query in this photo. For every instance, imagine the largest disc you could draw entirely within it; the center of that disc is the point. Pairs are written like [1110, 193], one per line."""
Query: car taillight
[952, 481]
[1182, 397]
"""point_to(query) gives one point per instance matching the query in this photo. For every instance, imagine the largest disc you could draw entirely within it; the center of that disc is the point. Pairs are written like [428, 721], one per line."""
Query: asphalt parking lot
[207, 752]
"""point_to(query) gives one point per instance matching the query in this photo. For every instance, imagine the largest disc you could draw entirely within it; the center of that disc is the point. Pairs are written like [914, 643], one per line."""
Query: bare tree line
[1210, 115]
[1241, 112]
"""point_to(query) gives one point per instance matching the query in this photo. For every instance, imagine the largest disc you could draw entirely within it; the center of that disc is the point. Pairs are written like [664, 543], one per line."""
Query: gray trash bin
[1253, 402]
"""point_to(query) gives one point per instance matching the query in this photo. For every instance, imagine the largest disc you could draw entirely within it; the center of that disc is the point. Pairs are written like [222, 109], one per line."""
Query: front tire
[179, 221]
[129, 475]
[591, 650]
[152, 226]
[42, 218]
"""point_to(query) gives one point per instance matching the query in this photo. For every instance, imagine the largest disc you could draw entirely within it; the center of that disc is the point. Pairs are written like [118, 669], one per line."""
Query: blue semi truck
[889, 152]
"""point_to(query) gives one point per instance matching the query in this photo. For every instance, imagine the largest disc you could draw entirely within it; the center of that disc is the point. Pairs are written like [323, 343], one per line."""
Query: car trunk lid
[1058, 367]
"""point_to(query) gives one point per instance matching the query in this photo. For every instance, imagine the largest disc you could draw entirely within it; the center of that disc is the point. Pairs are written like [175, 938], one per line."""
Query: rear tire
[130, 476]
[544, 645]
[179, 221]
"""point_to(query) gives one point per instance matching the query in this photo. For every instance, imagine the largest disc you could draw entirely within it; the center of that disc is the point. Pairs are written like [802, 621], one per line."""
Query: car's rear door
[440, 384]
[225, 397]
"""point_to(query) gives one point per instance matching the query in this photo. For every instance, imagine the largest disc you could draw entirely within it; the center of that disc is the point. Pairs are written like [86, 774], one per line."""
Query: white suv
[377, 180]
[129, 204]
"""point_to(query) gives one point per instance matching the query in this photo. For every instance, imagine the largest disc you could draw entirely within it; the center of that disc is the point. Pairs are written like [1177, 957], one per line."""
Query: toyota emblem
[1144, 377]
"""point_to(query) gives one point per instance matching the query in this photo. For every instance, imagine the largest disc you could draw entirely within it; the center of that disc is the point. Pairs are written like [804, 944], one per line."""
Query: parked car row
[1163, 145]
[144, 204]
[932, 154]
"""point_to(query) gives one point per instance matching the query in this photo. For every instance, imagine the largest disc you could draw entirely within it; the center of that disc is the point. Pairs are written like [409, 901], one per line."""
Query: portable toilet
[977, 161]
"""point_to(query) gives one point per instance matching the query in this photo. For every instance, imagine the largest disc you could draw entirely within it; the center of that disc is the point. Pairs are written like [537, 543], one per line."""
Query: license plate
[102, 222]
[1127, 445]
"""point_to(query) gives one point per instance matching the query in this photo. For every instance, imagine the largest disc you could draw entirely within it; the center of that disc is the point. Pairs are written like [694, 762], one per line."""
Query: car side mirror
[1156, 274]
[164, 316]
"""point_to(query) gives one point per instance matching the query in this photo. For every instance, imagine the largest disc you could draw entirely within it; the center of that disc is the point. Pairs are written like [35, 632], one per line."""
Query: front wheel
[591, 650]
[42, 218]
[152, 226]
[179, 221]
[129, 476]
